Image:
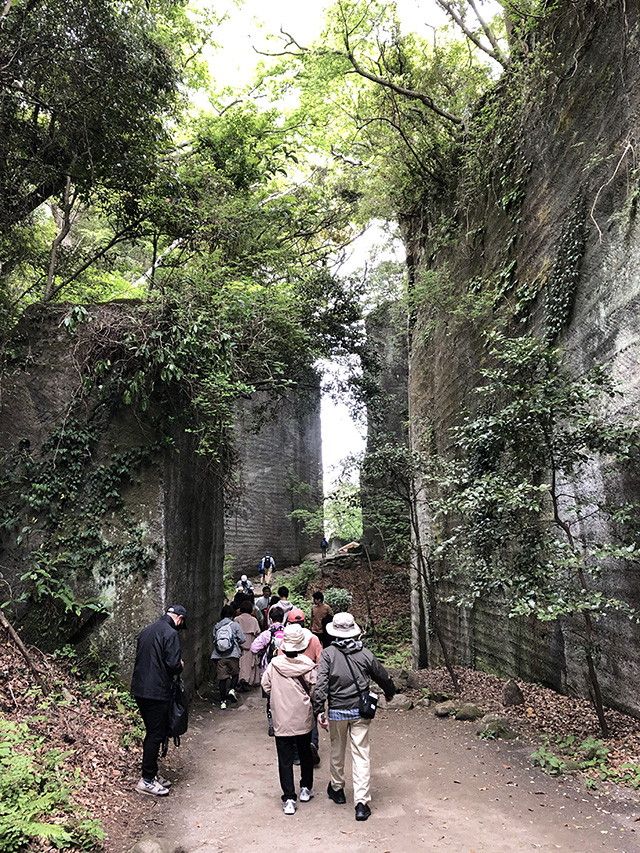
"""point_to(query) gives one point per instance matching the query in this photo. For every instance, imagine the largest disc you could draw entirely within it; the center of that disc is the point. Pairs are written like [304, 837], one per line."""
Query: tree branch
[495, 52]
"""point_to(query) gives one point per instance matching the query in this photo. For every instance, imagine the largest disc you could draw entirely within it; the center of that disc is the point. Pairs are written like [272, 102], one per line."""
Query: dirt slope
[436, 787]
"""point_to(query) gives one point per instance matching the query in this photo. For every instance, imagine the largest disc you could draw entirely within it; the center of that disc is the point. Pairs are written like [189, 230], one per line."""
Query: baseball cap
[178, 610]
[295, 615]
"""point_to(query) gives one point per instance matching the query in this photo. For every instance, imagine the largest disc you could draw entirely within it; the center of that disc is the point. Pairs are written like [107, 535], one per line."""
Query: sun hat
[243, 579]
[294, 639]
[343, 625]
[295, 616]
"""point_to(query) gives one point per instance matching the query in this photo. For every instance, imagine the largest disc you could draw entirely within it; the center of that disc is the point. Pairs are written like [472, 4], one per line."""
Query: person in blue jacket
[158, 660]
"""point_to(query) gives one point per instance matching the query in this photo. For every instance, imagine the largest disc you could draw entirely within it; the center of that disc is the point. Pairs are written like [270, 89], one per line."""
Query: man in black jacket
[158, 660]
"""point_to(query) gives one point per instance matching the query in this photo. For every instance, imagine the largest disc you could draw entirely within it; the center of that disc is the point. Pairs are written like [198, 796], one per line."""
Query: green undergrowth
[35, 794]
[42, 776]
[569, 755]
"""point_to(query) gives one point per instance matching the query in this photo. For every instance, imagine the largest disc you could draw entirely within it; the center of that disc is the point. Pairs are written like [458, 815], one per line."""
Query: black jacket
[158, 659]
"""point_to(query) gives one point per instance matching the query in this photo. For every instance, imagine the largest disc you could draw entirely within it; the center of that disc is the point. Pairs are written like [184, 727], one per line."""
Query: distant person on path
[288, 681]
[321, 613]
[324, 545]
[158, 660]
[337, 687]
[267, 564]
[248, 674]
[262, 605]
[227, 650]
[244, 585]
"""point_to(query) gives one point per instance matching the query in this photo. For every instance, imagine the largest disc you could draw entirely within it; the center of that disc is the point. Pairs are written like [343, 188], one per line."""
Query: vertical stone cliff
[556, 228]
[388, 407]
[162, 544]
[280, 469]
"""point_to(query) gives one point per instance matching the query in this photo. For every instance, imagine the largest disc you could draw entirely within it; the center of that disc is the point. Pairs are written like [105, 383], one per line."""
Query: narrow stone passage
[435, 786]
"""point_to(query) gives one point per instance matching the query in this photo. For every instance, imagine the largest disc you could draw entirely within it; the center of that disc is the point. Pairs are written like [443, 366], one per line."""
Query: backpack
[225, 637]
[178, 717]
[275, 641]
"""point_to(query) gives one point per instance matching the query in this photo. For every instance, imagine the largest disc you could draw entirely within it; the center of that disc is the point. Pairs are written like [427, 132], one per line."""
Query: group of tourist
[310, 677]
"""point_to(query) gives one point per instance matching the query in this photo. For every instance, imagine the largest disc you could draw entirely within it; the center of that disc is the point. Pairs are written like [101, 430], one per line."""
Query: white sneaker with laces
[162, 781]
[289, 807]
[305, 795]
[154, 788]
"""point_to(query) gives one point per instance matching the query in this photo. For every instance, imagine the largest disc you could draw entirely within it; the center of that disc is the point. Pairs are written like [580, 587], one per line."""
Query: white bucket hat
[294, 639]
[343, 625]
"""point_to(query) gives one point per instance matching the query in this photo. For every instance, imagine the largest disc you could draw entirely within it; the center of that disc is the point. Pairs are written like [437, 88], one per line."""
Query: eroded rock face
[575, 241]
[164, 544]
[285, 452]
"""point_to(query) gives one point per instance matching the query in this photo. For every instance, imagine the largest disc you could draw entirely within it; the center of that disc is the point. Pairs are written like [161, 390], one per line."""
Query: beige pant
[356, 732]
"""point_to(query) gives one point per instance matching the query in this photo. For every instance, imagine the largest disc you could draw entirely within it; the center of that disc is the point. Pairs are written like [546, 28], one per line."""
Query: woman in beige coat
[289, 681]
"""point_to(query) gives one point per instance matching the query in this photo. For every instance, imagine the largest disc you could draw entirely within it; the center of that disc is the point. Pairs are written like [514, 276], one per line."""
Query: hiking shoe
[223, 706]
[315, 755]
[289, 807]
[154, 788]
[296, 761]
[162, 781]
[305, 795]
[231, 696]
[337, 796]
[362, 811]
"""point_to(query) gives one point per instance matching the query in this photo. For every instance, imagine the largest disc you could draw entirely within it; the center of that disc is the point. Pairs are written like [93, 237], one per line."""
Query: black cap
[178, 610]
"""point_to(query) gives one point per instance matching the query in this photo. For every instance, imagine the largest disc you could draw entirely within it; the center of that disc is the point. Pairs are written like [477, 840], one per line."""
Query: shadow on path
[435, 787]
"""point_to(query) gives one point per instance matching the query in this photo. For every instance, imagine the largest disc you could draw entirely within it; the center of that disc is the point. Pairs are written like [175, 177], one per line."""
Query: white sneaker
[154, 788]
[305, 795]
[162, 781]
[289, 807]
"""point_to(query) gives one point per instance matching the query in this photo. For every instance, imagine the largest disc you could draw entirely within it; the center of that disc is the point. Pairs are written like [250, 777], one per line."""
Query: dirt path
[435, 787]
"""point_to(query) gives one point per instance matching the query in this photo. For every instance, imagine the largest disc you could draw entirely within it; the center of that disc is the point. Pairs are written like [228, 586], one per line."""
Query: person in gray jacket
[337, 686]
[228, 638]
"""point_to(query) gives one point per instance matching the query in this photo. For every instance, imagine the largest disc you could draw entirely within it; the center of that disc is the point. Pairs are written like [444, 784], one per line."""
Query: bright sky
[251, 23]
[248, 27]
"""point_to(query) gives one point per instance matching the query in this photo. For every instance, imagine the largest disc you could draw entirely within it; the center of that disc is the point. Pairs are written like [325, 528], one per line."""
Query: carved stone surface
[578, 209]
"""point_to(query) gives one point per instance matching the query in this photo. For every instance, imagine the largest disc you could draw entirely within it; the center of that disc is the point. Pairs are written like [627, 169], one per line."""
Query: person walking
[321, 613]
[158, 660]
[227, 650]
[283, 601]
[248, 673]
[343, 673]
[312, 650]
[288, 681]
[323, 548]
[266, 645]
[267, 564]
[244, 585]
[262, 605]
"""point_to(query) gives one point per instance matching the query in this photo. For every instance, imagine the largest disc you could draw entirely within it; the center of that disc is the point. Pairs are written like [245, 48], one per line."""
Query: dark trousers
[285, 747]
[154, 713]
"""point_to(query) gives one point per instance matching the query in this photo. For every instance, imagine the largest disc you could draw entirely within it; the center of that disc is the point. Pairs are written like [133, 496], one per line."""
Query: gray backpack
[225, 637]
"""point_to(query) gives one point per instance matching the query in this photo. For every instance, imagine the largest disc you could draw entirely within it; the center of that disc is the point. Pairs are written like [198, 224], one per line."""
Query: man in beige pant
[343, 672]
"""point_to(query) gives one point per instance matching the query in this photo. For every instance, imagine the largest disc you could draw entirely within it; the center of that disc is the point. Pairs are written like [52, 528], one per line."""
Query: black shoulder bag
[178, 716]
[368, 702]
